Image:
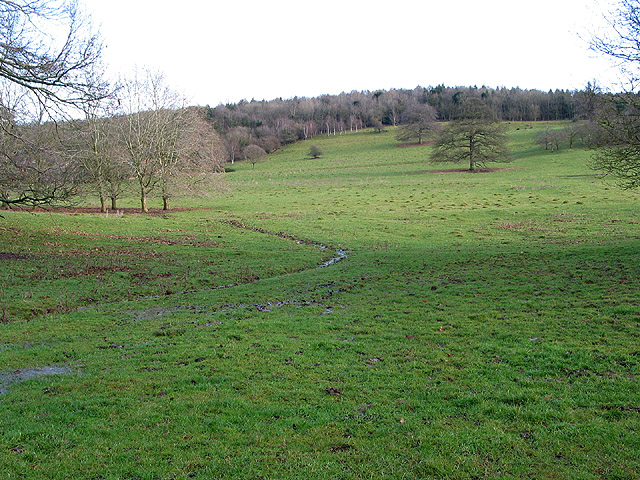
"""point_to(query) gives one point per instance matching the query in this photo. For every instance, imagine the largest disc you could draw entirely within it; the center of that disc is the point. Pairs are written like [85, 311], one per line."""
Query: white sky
[224, 51]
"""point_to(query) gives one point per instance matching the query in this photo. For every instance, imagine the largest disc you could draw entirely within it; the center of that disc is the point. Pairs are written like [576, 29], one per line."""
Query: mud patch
[415, 144]
[466, 170]
[12, 256]
[157, 312]
[7, 378]
[340, 255]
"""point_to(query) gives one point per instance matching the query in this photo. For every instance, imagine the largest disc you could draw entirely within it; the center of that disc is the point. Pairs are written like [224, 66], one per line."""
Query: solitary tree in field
[253, 153]
[315, 151]
[419, 123]
[475, 136]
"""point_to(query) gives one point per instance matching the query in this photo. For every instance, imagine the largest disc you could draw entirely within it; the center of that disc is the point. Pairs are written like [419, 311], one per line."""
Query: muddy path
[322, 292]
[319, 295]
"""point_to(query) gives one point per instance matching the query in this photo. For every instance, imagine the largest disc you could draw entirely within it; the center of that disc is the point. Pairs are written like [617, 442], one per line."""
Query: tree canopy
[475, 136]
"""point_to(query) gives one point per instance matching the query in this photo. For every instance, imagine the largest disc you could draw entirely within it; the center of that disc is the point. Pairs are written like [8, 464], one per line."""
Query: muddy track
[340, 254]
[322, 293]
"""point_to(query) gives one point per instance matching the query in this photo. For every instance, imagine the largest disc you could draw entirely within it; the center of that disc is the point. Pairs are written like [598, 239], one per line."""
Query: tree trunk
[103, 203]
[165, 203]
[472, 160]
[143, 200]
[113, 203]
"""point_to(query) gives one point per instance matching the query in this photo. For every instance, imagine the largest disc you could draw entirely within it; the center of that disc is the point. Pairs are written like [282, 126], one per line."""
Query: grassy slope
[482, 325]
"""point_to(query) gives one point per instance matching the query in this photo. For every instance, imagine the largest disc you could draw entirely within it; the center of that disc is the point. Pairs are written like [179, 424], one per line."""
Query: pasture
[360, 315]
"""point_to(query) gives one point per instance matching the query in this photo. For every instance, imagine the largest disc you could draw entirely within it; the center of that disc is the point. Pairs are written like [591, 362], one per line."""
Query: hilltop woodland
[272, 124]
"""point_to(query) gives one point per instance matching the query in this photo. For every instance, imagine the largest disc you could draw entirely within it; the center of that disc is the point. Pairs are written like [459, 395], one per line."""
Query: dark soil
[12, 256]
[415, 144]
[466, 170]
[128, 211]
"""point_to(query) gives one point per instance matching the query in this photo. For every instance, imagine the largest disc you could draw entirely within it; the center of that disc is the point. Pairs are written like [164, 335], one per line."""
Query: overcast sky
[224, 51]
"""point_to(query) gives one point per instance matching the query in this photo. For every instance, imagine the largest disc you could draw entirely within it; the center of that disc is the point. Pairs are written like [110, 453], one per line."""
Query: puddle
[340, 255]
[7, 378]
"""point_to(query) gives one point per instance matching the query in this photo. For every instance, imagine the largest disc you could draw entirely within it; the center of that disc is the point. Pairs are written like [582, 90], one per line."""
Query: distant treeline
[271, 124]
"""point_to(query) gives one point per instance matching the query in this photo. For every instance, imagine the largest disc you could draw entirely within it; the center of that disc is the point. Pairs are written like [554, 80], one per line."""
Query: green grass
[482, 325]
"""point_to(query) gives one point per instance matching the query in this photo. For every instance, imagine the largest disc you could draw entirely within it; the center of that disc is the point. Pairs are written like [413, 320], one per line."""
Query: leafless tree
[43, 77]
[253, 153]
[618, 114]
[192, 155]
[236, 139]
[37, 168]
[419, 122]
[150, 123]
[98, 149]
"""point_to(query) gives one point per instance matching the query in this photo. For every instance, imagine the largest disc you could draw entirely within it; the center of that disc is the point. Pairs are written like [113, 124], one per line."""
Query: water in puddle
[7, 378]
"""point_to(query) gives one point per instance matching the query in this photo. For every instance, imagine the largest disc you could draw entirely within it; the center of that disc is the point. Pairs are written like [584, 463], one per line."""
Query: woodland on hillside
[271, 124]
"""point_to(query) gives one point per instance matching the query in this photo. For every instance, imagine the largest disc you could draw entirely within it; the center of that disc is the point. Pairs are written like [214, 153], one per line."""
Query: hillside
[360, 315]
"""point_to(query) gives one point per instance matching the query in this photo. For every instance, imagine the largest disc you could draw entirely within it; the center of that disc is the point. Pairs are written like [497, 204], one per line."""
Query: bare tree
[254, 153]
[236, 139]
[419, 122]
[43, 76]
[98, 150]
[551, 139]
[618, 114]
[150, 124]
[618, 140]
[37, 169]
[192, 152]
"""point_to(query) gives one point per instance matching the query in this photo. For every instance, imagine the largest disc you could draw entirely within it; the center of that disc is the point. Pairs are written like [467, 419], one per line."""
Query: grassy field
[360, 315]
